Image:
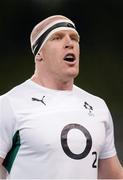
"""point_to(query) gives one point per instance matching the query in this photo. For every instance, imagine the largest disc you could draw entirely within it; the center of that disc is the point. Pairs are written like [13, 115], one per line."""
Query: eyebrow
[61, 33]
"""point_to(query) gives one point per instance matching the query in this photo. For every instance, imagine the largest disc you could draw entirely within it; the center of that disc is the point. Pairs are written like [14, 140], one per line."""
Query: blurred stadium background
[100, 24]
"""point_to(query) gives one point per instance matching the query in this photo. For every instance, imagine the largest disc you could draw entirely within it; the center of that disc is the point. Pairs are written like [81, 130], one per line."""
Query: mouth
[70, 57]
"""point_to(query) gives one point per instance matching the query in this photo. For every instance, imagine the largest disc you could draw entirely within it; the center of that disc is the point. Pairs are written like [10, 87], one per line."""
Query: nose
[68, 43]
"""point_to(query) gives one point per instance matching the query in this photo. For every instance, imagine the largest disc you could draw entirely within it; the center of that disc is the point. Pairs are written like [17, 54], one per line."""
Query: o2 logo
[88, 146]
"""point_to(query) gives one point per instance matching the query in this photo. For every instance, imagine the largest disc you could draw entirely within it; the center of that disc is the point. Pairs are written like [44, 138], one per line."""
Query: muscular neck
[53, 83]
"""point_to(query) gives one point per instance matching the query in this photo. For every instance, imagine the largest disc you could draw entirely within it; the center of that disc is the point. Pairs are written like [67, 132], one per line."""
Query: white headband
[50, 29]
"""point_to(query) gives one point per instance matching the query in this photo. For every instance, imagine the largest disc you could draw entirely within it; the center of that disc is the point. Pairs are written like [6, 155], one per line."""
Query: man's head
[43, 30]
[55, 45]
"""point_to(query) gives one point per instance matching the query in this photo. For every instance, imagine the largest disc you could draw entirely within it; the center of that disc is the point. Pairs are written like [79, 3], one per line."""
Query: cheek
[78, 50]
[51, 53]
[51, 59]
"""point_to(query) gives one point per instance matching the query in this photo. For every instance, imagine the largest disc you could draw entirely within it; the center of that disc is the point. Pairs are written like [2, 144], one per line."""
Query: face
[60, 55]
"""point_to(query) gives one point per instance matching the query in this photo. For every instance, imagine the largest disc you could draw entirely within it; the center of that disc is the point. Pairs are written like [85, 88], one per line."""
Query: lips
[70, 57]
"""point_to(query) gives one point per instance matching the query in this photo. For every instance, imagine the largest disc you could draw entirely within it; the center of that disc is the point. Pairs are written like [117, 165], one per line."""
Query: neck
[53, 84]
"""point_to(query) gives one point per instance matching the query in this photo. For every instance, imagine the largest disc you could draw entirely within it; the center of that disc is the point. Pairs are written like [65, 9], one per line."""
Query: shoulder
[90, 98]
[95, 104]
[16, 91]
[16, 94]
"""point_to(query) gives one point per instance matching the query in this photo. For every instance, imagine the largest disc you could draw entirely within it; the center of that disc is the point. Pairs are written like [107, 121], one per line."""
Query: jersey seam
[15, 127]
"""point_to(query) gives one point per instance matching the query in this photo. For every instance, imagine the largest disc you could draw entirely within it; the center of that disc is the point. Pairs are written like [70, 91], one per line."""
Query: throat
[54, 84]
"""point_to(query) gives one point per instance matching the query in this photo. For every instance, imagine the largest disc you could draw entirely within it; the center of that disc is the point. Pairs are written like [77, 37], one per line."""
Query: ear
[38, 57]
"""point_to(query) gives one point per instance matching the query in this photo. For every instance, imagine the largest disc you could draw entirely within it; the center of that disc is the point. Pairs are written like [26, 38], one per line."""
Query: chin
[73, 74]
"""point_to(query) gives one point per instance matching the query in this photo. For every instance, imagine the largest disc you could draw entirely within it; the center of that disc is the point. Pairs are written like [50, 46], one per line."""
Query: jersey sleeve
[7, 126]
[108, 149]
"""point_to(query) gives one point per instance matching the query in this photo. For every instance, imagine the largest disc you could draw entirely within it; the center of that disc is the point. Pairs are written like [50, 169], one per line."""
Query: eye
[75, 38]
[56, 37]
